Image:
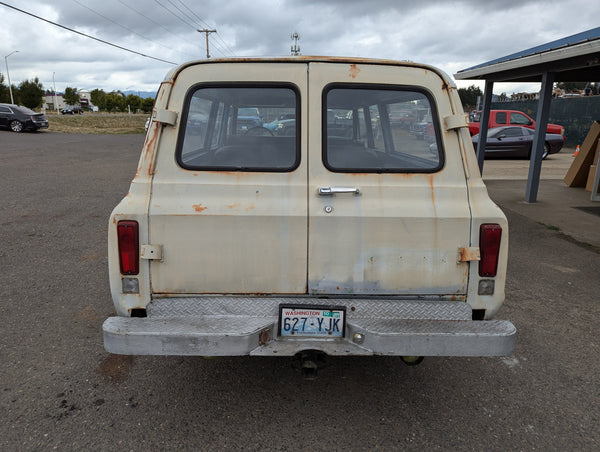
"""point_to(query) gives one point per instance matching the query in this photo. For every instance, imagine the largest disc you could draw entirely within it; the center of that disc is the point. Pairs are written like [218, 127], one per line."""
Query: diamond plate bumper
[230, 326]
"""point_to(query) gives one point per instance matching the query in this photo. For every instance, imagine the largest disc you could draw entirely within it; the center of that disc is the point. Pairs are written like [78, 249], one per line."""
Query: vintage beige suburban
[308, 204]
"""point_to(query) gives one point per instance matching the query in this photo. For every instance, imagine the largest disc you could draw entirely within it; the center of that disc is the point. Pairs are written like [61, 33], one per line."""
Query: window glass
[380, 130]
[4, 110]
[518, 118]
[512, 132]
[240, 129]
[501, 117]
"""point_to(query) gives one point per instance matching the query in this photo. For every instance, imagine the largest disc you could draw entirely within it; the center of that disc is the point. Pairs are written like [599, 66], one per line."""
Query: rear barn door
[230, 207]
[388, 207]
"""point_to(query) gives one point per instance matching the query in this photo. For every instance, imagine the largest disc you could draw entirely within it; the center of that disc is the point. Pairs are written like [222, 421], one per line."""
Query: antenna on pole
[207, 32]
[295, 48]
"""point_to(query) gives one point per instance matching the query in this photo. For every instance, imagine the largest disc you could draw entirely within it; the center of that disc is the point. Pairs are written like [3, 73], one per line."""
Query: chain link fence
[576, 114]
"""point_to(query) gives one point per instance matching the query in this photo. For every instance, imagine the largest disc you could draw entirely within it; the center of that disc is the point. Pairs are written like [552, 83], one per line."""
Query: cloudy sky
[451, 35]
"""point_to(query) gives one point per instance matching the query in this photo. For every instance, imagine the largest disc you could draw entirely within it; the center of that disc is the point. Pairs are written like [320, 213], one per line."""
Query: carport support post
[537, 149]
[484, 123]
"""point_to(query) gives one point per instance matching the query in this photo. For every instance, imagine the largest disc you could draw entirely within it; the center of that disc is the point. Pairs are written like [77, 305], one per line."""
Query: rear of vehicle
[19, 119]
[347, 234]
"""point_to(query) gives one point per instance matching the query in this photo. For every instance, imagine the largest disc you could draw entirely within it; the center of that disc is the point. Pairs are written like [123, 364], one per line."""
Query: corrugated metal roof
[578, 38]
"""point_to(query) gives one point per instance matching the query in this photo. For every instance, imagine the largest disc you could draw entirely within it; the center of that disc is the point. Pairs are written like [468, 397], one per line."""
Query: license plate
[312, 321]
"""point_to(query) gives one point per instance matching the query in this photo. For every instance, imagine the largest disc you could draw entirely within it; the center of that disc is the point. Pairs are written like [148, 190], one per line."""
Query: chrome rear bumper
[233, 326]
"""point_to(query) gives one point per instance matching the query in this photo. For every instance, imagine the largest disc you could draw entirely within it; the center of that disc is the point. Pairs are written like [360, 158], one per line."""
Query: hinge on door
[167, 117]
[151, 252]
[456, 121]
[468, 254]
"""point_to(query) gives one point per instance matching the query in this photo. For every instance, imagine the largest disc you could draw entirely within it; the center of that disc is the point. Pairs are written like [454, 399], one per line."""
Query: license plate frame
[312, 321]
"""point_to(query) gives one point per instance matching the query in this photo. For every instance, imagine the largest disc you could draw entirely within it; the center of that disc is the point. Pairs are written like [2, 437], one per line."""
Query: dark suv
[19, 118]
[71, 110]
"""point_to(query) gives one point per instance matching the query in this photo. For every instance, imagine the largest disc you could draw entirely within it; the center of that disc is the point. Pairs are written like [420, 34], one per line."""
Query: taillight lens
[489, 248]
[129, 249]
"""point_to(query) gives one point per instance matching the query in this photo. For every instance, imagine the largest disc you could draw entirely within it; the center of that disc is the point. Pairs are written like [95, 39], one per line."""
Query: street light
[12, 101]
[54, 84]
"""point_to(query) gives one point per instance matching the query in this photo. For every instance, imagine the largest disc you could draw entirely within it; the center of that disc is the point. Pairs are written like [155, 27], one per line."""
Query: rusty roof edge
[310, 59]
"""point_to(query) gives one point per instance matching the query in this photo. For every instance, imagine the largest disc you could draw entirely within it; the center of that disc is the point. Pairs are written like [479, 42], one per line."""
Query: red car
[500, 118]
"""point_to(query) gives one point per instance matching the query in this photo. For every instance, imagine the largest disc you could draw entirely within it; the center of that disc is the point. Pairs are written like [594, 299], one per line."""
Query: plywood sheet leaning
[578, 172]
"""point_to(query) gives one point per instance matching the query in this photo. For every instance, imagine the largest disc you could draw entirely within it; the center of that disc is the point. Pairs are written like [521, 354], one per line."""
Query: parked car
[71, 110]
[18, 118]
[331, 240]
[248, 118]
[284, 125]
[501, 118]
[513, 141]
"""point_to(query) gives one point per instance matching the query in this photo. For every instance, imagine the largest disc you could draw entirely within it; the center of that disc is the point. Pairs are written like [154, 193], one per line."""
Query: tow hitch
[309, 362]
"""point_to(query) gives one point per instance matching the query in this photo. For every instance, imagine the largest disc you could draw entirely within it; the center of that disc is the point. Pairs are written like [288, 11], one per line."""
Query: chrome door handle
[328, 191]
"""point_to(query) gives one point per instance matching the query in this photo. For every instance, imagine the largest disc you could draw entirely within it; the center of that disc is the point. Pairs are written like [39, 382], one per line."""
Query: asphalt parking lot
[59, 389]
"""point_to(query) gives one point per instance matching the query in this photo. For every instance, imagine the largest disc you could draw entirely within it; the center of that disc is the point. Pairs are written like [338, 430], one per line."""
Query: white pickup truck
[281, 207]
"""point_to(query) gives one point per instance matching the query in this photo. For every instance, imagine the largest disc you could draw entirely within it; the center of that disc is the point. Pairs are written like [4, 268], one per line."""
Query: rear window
[380, 129]
[240, 128]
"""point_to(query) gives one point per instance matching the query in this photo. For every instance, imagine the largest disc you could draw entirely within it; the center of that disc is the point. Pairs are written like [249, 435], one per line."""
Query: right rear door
[388, 210]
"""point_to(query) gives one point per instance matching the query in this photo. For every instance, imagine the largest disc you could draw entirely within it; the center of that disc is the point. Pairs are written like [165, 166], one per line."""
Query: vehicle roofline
[172, 74]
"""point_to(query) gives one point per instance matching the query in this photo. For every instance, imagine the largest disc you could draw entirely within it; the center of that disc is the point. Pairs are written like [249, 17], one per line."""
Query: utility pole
[295, 48]
[207, 33]
[54, 84]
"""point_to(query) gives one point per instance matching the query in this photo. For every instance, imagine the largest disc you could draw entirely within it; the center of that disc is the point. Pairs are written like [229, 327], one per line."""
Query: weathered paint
[277, 217]
[354, 71]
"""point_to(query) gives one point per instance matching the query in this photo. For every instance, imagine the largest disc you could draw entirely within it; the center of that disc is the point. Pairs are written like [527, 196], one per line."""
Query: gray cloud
[451, 35]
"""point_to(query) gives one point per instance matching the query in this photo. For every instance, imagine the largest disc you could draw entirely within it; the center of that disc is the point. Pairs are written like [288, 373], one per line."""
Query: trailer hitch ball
[412, 360]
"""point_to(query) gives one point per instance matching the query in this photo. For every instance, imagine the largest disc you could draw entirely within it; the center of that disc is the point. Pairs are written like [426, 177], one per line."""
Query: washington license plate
[313, 321]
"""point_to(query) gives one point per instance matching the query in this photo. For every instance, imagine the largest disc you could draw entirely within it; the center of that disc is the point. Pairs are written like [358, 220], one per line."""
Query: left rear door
[230, 206]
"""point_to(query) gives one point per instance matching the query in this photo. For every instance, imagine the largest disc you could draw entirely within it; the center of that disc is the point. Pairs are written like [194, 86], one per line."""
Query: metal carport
[570, 59]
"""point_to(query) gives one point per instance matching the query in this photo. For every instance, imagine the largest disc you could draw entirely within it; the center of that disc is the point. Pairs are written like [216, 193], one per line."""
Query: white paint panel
[401, 235]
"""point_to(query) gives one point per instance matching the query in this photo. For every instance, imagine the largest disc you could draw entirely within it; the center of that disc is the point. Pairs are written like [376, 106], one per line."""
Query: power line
[207, 26]
[118, 24]
[178, 17]
[149, 19]
[183, 20]
[86, 35]
[146, 17]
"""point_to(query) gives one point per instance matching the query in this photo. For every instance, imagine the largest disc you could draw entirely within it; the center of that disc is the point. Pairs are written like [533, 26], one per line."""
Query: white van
[335, 230]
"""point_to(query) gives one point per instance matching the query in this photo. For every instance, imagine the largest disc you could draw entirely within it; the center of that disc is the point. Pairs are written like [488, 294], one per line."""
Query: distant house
[85, 99]
[50, 98]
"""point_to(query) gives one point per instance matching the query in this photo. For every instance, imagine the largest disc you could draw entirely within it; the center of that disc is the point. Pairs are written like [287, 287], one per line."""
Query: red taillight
[129, 249]
[489, 248]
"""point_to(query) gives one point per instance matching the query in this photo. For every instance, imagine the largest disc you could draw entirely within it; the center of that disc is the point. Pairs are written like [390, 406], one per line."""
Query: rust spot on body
[468, 254]
[354, 71]
[199, 207]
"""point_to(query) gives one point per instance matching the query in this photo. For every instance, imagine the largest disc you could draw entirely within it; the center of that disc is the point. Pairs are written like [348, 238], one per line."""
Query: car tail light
[490, 235]
[129, 248]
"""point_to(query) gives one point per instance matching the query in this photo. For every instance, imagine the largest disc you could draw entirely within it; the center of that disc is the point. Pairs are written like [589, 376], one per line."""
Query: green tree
[571, 86]
[97, 97]
[468, 97]
[71, 96]
[134, 102]
[114, 102]
[148, 105]
[31, 93]
[4, 94]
